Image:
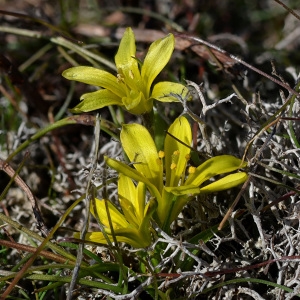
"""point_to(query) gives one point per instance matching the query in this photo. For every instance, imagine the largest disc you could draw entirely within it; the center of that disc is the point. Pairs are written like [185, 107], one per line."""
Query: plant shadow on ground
[256, 253]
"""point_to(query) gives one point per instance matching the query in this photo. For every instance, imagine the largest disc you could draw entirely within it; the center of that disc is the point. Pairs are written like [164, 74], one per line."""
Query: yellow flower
[133, 225]
[165, 174]
[131, 88]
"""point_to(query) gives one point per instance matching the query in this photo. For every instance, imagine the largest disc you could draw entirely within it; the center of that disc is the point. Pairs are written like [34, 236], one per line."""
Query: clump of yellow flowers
[165, 175]
[131, 88]
[157, 184]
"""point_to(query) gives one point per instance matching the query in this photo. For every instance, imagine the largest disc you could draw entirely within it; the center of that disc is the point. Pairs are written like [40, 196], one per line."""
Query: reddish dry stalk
[47, 254]
[20, 182]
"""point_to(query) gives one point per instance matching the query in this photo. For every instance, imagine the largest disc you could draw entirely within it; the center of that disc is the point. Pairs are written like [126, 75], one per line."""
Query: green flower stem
[94, 270]
[65, 106]
[67, 56]
[35, 57]
[280, 171]
[167, 218]
[23, 32]
[275, 182]
[88, 55]
[148, 122]
[83, 119]
[67, 279]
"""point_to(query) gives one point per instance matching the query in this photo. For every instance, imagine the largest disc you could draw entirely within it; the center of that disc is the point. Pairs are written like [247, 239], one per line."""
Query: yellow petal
[96, 237]
[225, 183]
[175, 169]
[97, 100]
[133, 174]
[132, 100]
[141, 150]
[130, 236]
[162, 91]
[128, 200]
[93, 76]
[214, 166]
[100, 213]
[140, 201]
[136, 103]
[181, 195]
[157, 57]
[126, 49]
[126, 63]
